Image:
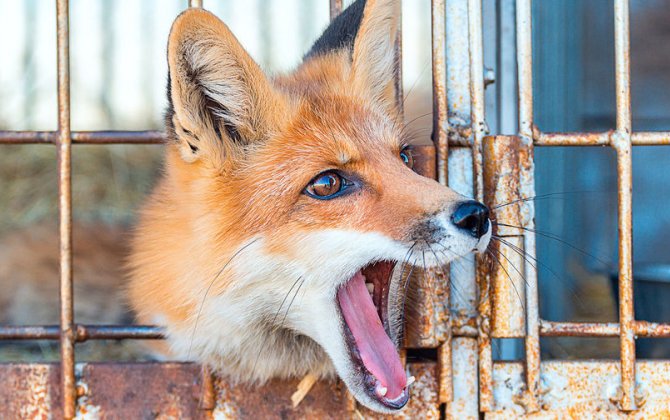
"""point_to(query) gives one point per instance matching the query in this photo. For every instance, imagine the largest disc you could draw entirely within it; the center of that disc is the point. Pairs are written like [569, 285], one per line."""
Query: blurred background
[118, 75]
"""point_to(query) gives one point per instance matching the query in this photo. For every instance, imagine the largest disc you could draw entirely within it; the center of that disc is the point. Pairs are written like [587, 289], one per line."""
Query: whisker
[274, 319]
[544, 196]
[556, 238]
[516, 291]
[202, 303]
[451, 283]
[527, 257]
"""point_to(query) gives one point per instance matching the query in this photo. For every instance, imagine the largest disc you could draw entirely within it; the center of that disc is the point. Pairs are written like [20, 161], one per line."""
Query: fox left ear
[373, 57]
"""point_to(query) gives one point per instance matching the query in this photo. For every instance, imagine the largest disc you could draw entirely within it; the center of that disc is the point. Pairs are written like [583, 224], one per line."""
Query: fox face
[273, 245]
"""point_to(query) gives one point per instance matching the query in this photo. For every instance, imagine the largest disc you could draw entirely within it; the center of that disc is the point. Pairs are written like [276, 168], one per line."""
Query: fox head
[273, 243]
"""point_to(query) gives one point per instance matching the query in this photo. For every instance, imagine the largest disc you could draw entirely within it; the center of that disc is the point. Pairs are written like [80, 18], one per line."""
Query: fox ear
[219, 96]
[373, 57]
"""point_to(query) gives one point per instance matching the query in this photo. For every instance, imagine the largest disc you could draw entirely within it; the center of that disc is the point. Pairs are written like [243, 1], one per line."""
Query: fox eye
[327, 185]
[406, 156]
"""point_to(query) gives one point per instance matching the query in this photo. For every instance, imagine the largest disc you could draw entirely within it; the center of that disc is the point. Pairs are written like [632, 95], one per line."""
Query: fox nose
[473, 217]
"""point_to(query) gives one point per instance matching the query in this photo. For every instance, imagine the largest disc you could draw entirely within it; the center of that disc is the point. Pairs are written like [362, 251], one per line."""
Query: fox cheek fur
[250, 270]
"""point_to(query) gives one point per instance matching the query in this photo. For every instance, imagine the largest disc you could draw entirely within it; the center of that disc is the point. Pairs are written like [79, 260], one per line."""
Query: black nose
[473, 217]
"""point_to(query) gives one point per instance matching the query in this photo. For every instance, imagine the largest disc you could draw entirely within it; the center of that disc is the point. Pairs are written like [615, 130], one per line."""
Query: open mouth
[364, 304]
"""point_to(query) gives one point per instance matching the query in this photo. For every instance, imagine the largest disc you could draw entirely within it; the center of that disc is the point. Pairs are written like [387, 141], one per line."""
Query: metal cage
[464, 381]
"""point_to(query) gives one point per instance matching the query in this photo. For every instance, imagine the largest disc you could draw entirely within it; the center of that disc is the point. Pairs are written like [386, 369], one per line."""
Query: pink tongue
[376, 349]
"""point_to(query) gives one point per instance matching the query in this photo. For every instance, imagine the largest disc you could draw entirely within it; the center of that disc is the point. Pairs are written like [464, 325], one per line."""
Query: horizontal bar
[607, 329]
[578, 329]
[83, 332]
[581, 389]
[461, 327]
[84, 137]
[642, 138]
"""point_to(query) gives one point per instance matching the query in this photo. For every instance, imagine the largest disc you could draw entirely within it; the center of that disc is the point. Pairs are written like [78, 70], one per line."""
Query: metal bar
[572, 139]
[438, 61]
[208, 392]
[84, 137]
[67, 332]
[506, 175]
[610, 329]
[578, 329]
[463, 280]
[83, 332]
[525, 82]
[335, 8]
[195, 3]
[642, 138]
[583, 389]
[621, 142]
[486, 401]
[440, 140]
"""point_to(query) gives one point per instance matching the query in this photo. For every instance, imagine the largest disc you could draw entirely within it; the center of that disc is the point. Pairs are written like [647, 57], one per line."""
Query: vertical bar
[479, 128]
[462, 278]
[195, 3]
[476, 55]
[208, 392]
[335, 8]
[399, 91]
[621, 141]
[525, 74]
[440, 121]
[67, 330]
[441, 141]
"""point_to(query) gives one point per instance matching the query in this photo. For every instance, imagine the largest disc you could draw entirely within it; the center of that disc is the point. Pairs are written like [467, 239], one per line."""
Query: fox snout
[472, 217]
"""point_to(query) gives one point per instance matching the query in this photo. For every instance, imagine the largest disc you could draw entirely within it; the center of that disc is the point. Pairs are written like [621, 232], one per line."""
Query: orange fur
[229, 231]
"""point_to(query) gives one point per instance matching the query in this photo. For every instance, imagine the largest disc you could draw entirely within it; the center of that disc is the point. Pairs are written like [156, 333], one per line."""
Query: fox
[271, 246]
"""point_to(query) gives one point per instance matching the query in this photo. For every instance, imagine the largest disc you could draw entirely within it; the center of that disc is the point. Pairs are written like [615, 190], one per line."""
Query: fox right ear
[220, 98]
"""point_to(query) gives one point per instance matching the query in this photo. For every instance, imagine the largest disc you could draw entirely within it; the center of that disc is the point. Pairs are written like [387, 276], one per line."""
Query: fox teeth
[382, 391]
[371, 287]
[410, 380]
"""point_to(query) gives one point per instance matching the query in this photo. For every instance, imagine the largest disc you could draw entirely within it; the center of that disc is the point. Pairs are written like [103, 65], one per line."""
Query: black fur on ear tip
[341, 32]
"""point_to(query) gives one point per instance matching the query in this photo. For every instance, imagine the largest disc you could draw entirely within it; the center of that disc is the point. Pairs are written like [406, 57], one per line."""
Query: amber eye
[406, 156]
[327, 185]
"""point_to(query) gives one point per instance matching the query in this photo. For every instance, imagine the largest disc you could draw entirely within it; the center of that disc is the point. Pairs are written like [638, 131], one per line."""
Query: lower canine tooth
[410, 380]
[383, 391]
[370, 286]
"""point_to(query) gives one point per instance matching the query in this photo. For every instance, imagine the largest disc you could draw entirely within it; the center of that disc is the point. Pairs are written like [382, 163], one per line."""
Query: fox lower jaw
[282, 315]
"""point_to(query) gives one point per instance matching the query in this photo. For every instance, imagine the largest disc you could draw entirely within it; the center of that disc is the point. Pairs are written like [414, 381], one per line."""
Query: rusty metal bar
[335, 8]
[578, 329]
[583, 389]
[64, 141]
[438, 61]
[621, 142]
[506, 178]
[84, 137]
[463, 281]
[642, 138]
[609, 329]
[479, 129]
[82, 332]
[526, 122]
[208, 392]
[572, 139]
[440, 140]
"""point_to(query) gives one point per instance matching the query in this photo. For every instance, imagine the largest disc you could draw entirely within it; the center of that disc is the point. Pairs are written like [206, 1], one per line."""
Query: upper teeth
[410, 380]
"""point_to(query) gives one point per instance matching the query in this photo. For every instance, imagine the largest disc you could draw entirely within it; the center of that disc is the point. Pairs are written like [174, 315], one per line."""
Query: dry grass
[108, 183]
